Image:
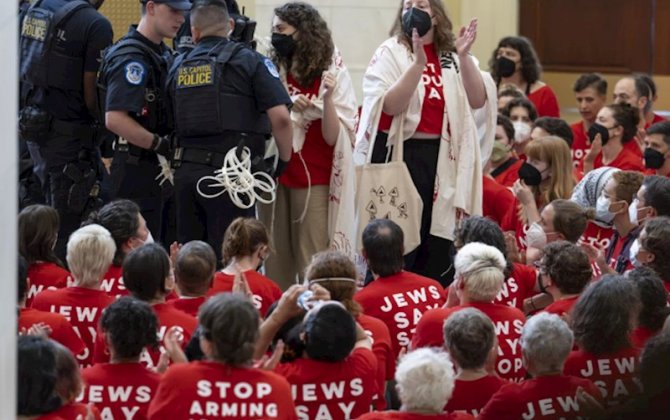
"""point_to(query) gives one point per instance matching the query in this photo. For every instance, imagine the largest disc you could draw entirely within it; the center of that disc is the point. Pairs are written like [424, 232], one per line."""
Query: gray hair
[425, 380]
[469, 336]
[546, 341]
[90, 251]
[481, 267]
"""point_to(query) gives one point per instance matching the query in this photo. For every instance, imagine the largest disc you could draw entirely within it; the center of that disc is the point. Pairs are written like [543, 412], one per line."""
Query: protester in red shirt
[226, 384]
[90, 250]
[614, 129]
[546, 342]
[470, 339]
[335, 272]
[323, 114]
[58, 327]
[591, 94]
[522, 113]
[514, 61]
[602, 320]
[194, 270]
[657, 149]
[638, 90]
[478, 279]
[123, 388]
[38, 231]
[396, 297]
[653, 305]
[565, 270]
[504, 166]
[246, 244]
[654, 402]
[425, 381]
[652, 200]
[148, 276]
[36, 366]
[498, 203]
[520, 280]
[654, 249]
[122, 218]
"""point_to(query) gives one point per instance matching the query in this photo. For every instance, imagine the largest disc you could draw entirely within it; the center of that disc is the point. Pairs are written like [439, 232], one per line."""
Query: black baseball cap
[183, 5]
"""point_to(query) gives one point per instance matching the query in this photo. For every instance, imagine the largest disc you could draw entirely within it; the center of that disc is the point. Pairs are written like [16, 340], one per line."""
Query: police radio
[244, 30]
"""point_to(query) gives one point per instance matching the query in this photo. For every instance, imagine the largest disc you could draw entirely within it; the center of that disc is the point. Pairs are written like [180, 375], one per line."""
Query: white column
[8, 208]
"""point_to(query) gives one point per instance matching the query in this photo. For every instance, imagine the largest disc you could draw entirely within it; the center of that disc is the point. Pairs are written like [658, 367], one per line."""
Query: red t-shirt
[509, 176]
[332, 390]
[562, 306]
[472, 396]
[498, 203]
[61, 329]
[508, 323]
[112, 282]
[189, 305]
[545, 102]
[598, 236]
[657, 118]
[626, 160]
[168, 317]
[72, 411]
[383, 351]
[82, 307]
[212, 390]
[45, 275]
[615, 374]
[265, 291]
[432, 111]
[546, 397]
[120, 390]
[399, 301]
[403, 415]
[580, 143]
[640, 335]
[518, 286]
[316, 153]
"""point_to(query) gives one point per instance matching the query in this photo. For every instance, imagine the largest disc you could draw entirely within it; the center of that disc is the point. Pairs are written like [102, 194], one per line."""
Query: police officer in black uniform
[132, 81]
[222, 93]
[60, 46]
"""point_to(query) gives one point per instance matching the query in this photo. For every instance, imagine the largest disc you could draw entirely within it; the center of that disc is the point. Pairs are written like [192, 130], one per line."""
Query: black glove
[281, 167]
[162, 145]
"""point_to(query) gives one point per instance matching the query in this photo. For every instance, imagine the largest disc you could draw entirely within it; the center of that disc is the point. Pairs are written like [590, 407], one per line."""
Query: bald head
[210, 18]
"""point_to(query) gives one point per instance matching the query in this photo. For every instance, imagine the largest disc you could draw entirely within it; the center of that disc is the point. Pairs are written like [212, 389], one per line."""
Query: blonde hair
[90, 251]
[555, 152]
[481, 268]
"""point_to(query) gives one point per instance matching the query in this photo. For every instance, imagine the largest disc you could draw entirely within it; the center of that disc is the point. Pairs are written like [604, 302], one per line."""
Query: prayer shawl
[341, 226]
[458, 184]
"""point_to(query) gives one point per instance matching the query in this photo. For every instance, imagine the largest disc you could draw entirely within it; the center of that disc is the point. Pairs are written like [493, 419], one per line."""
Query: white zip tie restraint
[166, 173]
[236, 179]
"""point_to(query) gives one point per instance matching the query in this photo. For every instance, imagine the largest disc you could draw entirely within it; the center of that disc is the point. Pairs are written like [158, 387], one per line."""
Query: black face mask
[283, 44]
[416, 18]
[506, 67]
[599, 129]
[653, 159]
[530, 175]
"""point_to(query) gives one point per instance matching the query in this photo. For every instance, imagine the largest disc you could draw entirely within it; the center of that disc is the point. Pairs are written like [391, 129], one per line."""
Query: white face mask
[150, 239]
[603, 212]
[632, 255]
[536, 237]
[632, 212]
[521, 131]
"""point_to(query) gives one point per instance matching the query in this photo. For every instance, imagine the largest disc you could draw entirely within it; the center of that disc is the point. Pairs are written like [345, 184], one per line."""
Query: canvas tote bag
[386, 190]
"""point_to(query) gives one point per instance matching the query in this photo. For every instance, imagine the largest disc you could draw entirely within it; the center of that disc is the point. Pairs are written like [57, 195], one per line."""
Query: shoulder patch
[134, 73]
[271, 68]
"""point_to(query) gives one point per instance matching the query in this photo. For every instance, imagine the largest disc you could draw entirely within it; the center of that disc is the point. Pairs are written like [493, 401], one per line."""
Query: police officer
[132, 80]
[60, 44]
[222, 93]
